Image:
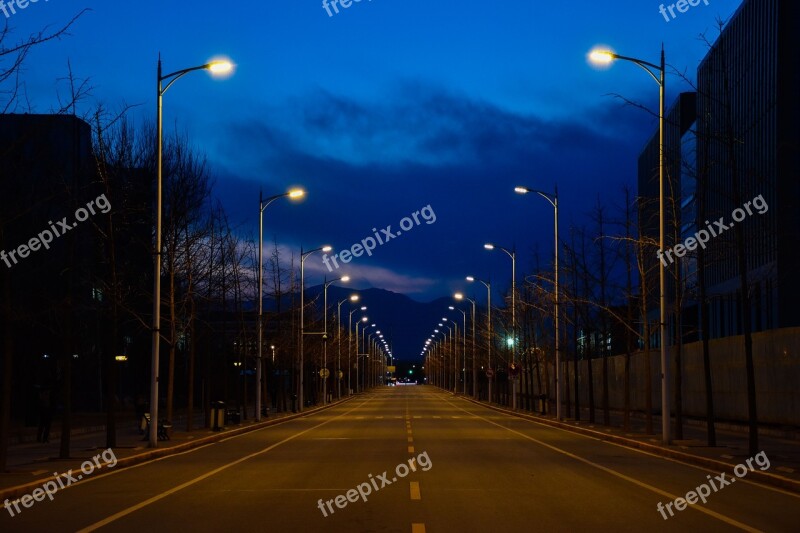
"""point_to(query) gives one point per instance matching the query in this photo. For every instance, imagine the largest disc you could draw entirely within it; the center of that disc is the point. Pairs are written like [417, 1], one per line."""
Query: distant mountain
[405, 323]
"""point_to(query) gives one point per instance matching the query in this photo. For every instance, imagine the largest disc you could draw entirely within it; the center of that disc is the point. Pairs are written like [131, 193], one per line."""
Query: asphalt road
[424, 460]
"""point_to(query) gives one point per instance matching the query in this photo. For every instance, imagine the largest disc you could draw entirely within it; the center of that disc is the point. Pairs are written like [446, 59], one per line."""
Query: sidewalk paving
[732, 444]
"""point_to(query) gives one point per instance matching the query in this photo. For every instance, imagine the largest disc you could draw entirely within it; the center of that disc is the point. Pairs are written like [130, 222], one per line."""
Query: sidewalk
[31, 464]
[732, 445]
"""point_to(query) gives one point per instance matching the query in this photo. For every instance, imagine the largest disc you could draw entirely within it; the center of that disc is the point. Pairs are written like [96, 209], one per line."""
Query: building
[733, 144]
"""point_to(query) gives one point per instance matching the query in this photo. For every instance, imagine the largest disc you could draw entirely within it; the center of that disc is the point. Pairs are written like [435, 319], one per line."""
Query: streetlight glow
[327, 248]
[297, 193]
[489, 246]
[521, 190]
[600, 56]
[220, 67]
[345, 279]
[458, 296]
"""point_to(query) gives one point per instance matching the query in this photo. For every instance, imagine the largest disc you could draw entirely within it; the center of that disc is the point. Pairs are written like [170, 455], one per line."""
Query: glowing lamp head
[489, 246]
[345, 279]
[470, 278]
[458, 296]
[600, 56]
[296, 193]
[327, 248]
[521, 190]
[220, 67]
[354, 298]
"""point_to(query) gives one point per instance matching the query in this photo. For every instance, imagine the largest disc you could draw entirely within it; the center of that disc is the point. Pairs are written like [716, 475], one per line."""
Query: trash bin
[543, 403]
[217, 416]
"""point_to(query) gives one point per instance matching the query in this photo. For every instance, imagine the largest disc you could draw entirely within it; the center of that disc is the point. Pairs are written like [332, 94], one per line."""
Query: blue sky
[387, 107]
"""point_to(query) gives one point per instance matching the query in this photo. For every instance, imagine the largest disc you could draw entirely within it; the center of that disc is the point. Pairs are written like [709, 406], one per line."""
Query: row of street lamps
[221, 67]
[657, 72]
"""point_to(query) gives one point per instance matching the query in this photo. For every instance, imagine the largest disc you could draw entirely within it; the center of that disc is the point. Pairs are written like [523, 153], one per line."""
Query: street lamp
[327, 284]
[463, 347]
[605, 57]
[553, 199]
[365, 353]
[358, 353]
[262, 205]
[353, 298]
[488, 286]
[303, 257]
[453, 331]
[513, 255]
[349, 344]
[459, 296]
[216, 68]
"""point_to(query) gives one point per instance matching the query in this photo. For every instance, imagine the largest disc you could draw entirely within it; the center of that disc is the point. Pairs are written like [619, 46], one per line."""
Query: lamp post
[513, 255]
[441, 345]
[303, 257]
[216, 68]
[553, 199]
[459, 296]
[454, 350]
[353, 298]
[488, 286]
[463, 346]
[358, 353]
[262, 205]
[327, 284]
[364, 375]
[606, 57]
[349, 344]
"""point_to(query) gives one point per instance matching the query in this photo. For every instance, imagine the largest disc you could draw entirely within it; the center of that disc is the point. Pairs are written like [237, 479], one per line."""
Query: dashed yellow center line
[410, 449]
[415, 494]
[417, 528]
[410, 440]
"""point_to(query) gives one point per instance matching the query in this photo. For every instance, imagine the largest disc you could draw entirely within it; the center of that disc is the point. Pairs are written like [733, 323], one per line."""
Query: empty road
[408, 459]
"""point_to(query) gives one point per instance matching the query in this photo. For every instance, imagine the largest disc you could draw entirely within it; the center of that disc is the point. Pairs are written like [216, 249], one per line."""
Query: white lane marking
[173, 490]
[722, 518]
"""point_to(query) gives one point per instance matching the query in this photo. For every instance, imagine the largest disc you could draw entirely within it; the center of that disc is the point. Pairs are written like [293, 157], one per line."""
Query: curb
[149, 455]
[714, 464]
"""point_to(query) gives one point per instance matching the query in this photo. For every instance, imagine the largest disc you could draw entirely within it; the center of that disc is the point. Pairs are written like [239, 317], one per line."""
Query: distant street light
[262, 205]
[488, 286]
[303, 257]
[513, 255]
[349, 344]
[459, 296]
[553, 199]
[353, 298]
[327, 284]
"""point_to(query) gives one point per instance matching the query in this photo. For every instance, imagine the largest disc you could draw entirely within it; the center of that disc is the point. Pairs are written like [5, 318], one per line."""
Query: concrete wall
[776, 356]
